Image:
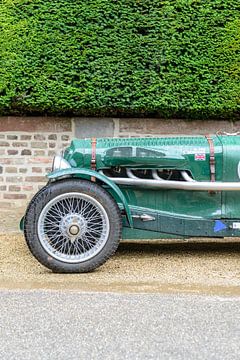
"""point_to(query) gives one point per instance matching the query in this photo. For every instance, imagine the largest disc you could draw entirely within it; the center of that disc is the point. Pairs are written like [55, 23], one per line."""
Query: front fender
[21, 224]
[89, 174]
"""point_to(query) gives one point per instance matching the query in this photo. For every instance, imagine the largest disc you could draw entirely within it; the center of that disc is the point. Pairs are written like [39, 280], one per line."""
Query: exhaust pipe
[178, 185]
[189, 184]
[155, 175]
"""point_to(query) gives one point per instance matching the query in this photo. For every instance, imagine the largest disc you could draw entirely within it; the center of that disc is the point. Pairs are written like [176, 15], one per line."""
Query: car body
[164, 187]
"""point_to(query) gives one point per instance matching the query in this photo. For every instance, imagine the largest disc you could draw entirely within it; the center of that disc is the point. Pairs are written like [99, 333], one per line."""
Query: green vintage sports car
[104, 190]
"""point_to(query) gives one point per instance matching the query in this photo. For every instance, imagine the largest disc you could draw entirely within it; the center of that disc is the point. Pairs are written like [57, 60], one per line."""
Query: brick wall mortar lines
[23, 167]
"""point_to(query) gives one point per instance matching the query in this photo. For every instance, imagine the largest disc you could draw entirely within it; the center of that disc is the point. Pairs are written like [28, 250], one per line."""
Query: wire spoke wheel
[73, 227]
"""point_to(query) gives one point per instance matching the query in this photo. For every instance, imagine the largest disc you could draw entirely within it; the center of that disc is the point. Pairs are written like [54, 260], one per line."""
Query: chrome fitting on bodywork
[59, 163]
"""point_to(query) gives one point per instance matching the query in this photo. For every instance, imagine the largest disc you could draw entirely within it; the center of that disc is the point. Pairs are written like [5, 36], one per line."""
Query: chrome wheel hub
[73, 225]
[74, 230]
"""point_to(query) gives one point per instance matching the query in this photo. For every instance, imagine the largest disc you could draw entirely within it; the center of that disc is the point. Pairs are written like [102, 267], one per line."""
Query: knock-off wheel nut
[74, 229]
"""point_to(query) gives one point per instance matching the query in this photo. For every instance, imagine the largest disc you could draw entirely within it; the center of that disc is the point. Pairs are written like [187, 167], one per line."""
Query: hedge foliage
[123, 58]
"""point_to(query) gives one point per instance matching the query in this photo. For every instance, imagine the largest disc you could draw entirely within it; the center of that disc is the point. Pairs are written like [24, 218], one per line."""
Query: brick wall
[26, 152]
[28, 144]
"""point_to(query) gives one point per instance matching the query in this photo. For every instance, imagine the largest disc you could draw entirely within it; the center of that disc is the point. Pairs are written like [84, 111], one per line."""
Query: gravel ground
[193, 267]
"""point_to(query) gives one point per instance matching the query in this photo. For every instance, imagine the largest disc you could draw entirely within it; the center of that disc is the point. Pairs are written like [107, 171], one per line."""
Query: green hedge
[120, 58]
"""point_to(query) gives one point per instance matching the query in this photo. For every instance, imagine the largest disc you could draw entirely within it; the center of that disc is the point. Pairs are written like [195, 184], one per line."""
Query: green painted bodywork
[196, 211]
[231, 158]
[21, 224]
[176, 213]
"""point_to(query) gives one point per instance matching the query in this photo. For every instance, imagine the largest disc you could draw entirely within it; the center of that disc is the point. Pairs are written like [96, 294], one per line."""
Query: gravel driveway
[193, 267]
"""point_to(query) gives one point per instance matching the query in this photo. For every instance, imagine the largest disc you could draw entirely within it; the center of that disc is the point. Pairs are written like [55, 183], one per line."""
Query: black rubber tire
[60, 187]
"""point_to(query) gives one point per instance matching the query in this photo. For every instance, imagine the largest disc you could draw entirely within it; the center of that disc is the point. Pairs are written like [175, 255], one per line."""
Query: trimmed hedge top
[122, 58]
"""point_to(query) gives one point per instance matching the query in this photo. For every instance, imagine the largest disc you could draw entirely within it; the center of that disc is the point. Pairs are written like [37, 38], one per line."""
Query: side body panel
[177, 202]
[231, 172]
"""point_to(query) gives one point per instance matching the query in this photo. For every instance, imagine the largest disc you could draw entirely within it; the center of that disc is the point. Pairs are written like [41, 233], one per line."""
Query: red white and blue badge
[200, 156]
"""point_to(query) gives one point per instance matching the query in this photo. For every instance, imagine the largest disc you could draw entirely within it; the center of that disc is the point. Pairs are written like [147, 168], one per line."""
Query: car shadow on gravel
[130, 248]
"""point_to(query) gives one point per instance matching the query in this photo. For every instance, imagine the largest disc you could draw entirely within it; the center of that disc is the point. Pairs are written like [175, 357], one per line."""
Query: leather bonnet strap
[211, 158]
[93, 157]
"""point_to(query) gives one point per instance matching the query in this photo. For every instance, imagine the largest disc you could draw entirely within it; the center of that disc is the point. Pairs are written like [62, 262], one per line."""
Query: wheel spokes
[73, 227]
